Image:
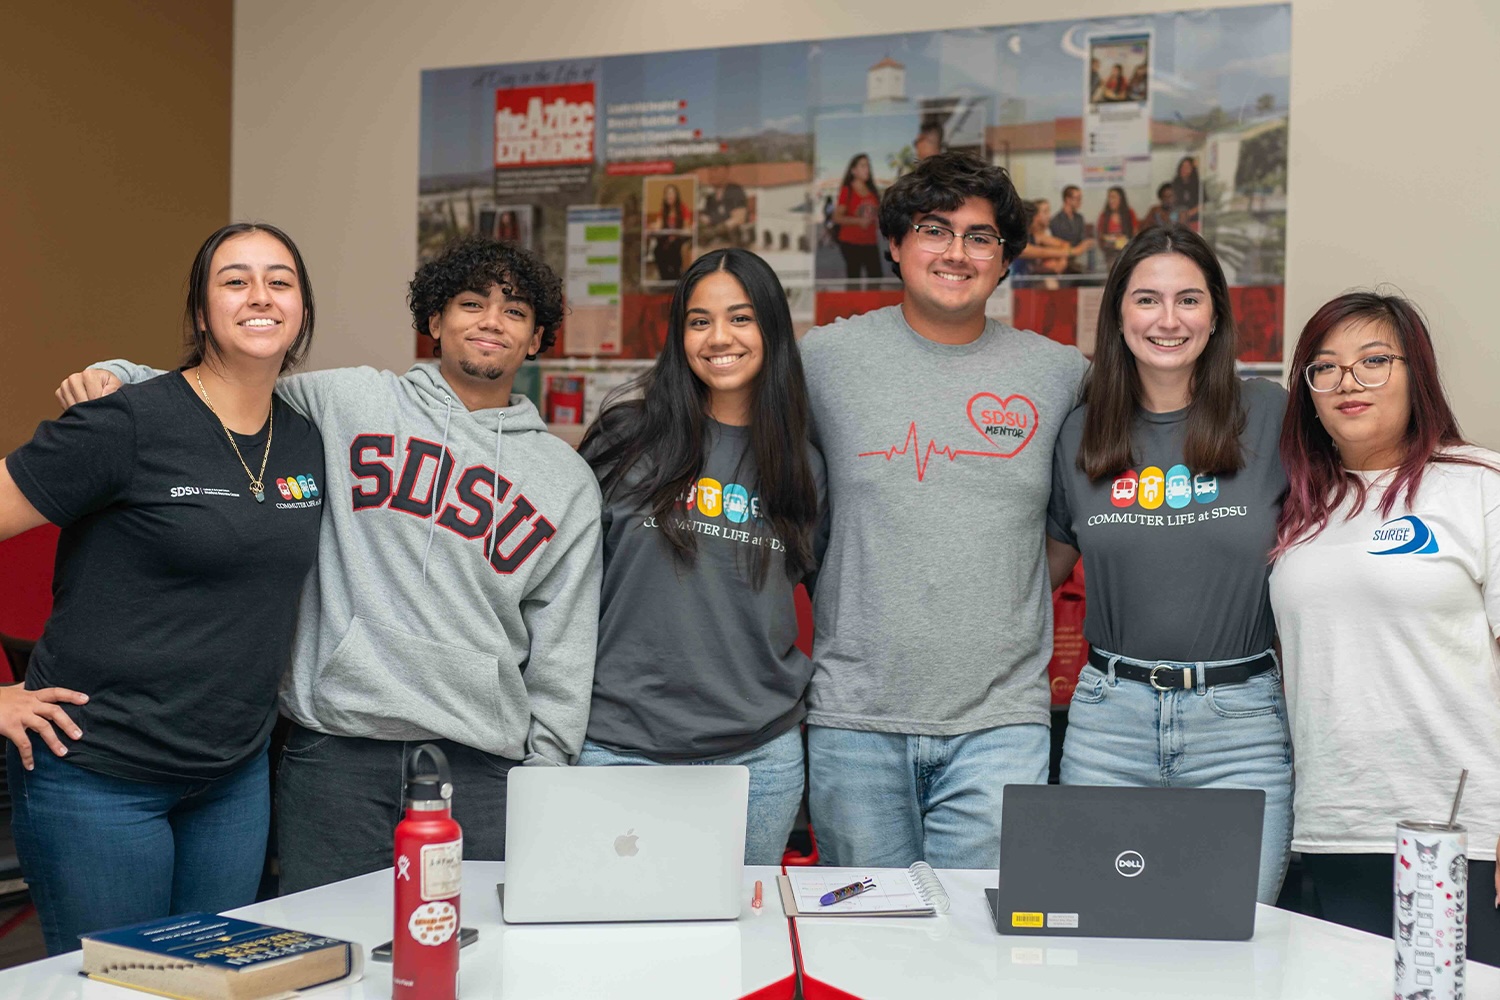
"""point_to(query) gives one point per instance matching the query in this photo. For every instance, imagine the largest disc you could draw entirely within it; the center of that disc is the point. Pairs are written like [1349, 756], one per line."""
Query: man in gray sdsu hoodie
[455, 597]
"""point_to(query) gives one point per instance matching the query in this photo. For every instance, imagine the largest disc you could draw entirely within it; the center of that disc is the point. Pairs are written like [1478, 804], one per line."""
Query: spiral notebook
[898, 892]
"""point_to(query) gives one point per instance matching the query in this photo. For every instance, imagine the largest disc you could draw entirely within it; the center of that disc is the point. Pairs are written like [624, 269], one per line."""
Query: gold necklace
[257, 482]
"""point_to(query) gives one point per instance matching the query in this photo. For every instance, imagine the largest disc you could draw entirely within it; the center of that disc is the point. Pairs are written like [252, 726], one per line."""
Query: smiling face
[1167, 316]
[484, 337]
[949, 288]
[1368, 426]
[862, 168]
[723, 344]
[254, 302]
[1112, 200]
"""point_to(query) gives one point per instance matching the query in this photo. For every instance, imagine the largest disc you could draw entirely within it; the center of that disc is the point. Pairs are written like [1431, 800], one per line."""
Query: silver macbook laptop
[1176, 863]
[624, 843]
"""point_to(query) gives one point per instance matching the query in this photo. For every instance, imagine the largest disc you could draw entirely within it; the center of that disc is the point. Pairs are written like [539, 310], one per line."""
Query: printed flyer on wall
[592, 325]
[620, 171]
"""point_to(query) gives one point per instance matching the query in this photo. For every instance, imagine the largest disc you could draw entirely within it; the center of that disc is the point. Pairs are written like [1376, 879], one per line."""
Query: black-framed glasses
[1371, 372]
[936, 239]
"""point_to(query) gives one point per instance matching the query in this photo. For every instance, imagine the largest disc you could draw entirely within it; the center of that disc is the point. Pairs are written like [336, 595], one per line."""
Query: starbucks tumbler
[1432, 874]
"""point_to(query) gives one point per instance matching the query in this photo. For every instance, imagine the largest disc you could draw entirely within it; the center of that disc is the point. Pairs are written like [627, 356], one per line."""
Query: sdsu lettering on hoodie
[456, 592]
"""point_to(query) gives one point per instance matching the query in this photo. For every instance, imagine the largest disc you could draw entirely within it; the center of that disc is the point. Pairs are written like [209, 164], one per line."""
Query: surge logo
[1403, 536]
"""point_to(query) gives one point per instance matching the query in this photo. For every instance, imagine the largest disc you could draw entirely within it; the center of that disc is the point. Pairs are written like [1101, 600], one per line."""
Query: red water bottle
[429, 874]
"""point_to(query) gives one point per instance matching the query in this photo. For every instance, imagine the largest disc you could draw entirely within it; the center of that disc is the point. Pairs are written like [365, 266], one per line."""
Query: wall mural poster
[623, 169]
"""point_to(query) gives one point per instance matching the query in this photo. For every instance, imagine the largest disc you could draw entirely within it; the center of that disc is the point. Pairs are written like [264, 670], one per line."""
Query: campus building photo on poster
[622, 170]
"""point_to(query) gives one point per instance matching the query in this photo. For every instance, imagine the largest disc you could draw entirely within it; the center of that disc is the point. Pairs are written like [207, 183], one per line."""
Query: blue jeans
[99, 851]
[888, 799]
[1124, 732]
[775, 788]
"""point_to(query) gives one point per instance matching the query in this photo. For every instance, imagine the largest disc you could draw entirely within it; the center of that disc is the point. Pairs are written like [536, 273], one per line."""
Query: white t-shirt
[1388, 631]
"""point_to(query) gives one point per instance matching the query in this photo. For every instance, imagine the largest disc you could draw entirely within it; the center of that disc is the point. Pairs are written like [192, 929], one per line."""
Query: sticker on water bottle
[433, 923]
[442, 870]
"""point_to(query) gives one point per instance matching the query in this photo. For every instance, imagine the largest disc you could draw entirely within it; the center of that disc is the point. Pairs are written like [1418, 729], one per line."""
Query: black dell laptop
[1080, 861]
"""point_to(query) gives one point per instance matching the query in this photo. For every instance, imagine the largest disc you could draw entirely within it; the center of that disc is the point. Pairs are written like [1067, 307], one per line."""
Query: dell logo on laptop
[1130, 863]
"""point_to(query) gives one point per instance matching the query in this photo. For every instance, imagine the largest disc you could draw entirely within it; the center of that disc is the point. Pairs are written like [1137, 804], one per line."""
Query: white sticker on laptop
[1069, 920]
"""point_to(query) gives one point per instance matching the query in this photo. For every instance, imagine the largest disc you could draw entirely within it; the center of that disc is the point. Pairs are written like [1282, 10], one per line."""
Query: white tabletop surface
[692, 960]
[1291, 957]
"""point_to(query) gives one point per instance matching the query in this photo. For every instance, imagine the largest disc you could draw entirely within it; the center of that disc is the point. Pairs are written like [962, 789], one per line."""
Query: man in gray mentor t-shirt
[933, 612]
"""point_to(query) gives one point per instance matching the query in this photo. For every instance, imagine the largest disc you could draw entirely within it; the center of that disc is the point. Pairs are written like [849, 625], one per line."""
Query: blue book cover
[209, 939]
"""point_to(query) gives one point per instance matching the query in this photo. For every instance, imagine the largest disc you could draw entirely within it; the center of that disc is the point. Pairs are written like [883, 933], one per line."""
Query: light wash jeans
[1124, 732]
[888, 799]
[776, 779]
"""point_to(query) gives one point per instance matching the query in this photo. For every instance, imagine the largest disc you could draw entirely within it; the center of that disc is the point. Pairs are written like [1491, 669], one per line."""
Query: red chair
[25, 595]
[25, 602]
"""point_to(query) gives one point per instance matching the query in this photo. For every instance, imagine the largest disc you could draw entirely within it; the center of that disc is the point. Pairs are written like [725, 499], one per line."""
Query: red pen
[755, 900]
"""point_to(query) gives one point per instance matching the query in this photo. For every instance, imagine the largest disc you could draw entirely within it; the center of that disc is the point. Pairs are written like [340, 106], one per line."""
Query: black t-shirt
[175, 593]
[722, 203]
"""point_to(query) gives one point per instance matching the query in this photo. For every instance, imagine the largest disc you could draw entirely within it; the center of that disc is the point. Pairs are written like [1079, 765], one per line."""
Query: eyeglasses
[1371, 372]
[936, 239]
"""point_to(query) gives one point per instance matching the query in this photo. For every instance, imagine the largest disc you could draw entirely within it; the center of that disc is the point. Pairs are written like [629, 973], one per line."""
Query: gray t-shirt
[1175, 564]
[693, 661]
[933, 607]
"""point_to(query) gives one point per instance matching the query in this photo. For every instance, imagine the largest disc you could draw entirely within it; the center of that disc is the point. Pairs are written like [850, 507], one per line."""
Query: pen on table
[853, 889]
[755, 900]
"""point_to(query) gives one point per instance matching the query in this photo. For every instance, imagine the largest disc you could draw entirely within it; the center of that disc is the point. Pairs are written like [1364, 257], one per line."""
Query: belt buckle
[1155, 683]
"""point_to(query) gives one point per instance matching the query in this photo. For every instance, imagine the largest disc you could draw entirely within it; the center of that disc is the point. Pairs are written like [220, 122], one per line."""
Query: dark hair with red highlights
[1318, 482]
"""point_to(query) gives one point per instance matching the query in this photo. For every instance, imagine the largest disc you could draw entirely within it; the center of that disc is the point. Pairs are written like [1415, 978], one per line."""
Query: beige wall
[1393, 144]
[114, 165]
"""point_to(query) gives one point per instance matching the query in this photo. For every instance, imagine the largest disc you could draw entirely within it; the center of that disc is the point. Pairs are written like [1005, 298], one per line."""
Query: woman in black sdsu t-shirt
[711, 495]
[189, 508]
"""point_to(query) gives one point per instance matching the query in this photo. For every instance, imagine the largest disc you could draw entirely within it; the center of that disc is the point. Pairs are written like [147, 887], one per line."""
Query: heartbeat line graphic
[923, 456]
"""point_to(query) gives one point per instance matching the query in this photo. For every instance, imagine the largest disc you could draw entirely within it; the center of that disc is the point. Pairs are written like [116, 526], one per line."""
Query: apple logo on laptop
[1130, 863]
[625, 844]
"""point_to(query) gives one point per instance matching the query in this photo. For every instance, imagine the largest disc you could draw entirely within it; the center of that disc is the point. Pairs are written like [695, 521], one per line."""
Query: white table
[1291, 957]
[701, 960]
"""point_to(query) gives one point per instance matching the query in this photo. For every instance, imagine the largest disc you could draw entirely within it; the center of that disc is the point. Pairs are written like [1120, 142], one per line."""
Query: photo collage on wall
[620, 171]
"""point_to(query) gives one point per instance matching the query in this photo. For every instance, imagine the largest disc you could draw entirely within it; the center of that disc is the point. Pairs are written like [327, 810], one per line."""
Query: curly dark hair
[945, 181]
[475, 263]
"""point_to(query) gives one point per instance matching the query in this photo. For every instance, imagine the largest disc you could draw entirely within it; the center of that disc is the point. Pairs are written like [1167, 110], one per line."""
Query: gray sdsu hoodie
[456, 590]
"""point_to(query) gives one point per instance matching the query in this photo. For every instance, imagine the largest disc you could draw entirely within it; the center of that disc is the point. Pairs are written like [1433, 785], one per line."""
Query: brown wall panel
[114, 165]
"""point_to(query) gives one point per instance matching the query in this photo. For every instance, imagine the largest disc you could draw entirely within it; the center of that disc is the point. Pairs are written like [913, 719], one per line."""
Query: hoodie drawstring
[495, 486]
[437, 477]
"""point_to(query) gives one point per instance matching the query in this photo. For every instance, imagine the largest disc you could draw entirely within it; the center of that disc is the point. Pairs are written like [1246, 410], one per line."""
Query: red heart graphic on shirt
[1007, 425]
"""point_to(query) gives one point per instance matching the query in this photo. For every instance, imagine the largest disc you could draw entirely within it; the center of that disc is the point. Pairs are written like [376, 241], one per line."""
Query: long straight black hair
[1112, 388]
[848, 181]
[662, 435]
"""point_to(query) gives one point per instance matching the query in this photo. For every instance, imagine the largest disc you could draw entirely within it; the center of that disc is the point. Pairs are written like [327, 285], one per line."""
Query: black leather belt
[1167, 677]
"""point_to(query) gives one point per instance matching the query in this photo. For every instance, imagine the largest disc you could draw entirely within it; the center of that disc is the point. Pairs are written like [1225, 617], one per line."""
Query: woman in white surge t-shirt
[1388, 538]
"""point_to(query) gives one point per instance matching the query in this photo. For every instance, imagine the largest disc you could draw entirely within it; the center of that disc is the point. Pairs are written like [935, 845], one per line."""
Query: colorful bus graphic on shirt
[297, 487]
[1151, 487]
